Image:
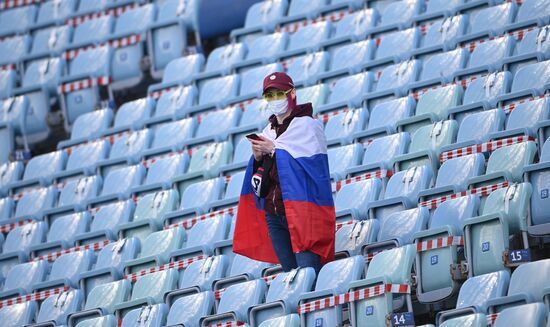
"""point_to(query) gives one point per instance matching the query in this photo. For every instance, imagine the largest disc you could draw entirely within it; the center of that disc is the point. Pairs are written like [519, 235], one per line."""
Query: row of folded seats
[213, 290]
[123, 64]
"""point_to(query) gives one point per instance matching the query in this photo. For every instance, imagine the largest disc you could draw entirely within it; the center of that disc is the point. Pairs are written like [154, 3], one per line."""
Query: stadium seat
[425, 146]
[523, 119]
[380, 123]
[394, 80]
[535, 174]
[394, 47]
[488, 56]
[470, 320]
[442, 34]
[292, 320]
[380, 152]
[533, 314]
[25, 115]
[7, 83]
[241, 156]
[160, 172]
[232, 192]
[343, 157]
[252, 79]
[199, 276]
[147, 316]
[477, 128]
[148, 290]
[353, 27]
[217, 92]
[62, 233]
[82, 159]
[180, 71]
[21, 277]
[242, 269]
[118, 184]
[475, 292]
[156, 249]
[305, 69]
[105, 321]
[529, 80]
[435, 281]
[347, 92]
[481, 94]
[6, 208]
[283, 295]
[333, 279]
[261, 18]
[316, 95]
[506, 163]
[18, 241]
[206, 161]
[187, 310]
[263, 50]
[110, 263]
[43, 75]
[531, 12]
[301, 10]
[215, 125]
[13, 47]
[235, 302]
[34, 203]
[89, 6]
[74, 196]
[402, 191]
[105, 222]
[340, 128]
[49, 41]
[441, 68]
[54, 12]
[533, 46]
[172, 103]
[490, 21]
[453, 175]
[399, 15]
[349, 205]
[10, 172]
[171, 136]
[56, 308]
[350, 238]
[19, 314]
[388, 267]
[433, 106]
[17, 20]
[307, 39]
[348, 59]
[221, 60]
[66, 270]
[88, 127]
[487, 236]
[132, 115]
[438, 8]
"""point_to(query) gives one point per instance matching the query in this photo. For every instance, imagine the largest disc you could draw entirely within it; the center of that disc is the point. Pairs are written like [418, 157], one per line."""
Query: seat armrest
[438, 191]
[208, 320]
[494, 177]
[493, 305]
[172, 296]
[191, 252]
[75, 317]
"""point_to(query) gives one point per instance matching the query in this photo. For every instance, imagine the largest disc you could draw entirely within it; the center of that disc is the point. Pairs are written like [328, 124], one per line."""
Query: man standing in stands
[286, 211]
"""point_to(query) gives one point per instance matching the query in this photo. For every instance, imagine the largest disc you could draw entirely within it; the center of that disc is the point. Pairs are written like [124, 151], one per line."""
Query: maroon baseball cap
[278, 80]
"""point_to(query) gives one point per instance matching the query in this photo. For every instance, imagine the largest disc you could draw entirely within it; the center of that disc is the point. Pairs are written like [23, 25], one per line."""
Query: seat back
[155, 313]
[528, 114]
[93, 31]
[457, 171]
[351, 55]
[34, 202]
[304, 7]
[153, 206]
[471, 320]
[24, 275]
[352, 237]
[358, 195]
[234, 186]
[71, 265]
[493, 18]
[398, 76]
[267, 46]
[162, 170]
[397, 43]
[224, 57]
[189, 309]
[203, 273]
[86, 6]
[438, 101]
[183, 69]
[134, 112]
[13, 47]
[533, 41]
[46, 72]
[394, 264]
[487, 88]
[10, 172]
[155, 285]
[265, 13]
[308, 66]
[255, 113]
[252, 78]
[115, 254]
[477, 126]
[91, 123]
[401, 12]
[45, 165]
[402, 225]
[288, 287]
[88, 154]
[120, 180]
[218, 89]
[198, 195]
[433, 137]
[237, 298]
[107, 295]
[65, 228]
[512, 202]
[131, 144]
[52, 39]
[453, 212]
[309, 36]
[528, 280]
[163, 242]
[78, 191]
[243, 151]
[532, 314]
[336, 275]
[443, 65]
[343, 157]
[23, 237]
[6, 208]
[135, 20]
[18, 19]
[491, 53]
[408, 183]
[55, 10]
[344, 124]
[208, 158]
[350, 88]
[382, 150]
[244, 265]
[357, 23]
[109, 216]
[92, 62]
[176, 100]
[57, 308]
[216, 123]
[207, 232]
[531, 76]
[18, 314]
[511, 159]
[316, 95]
[400, 108]
[478, 289]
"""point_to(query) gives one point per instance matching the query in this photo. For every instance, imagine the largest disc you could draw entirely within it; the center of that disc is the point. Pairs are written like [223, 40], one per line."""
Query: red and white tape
[36, 296]
[511, 106]
[228, 324]
[357, 295]
[187, 224]
[491, 318]
[118, 43]
[484, 147]
[20, 195]
[180, 264]
[54, 255]
[8, 4]
[481, 191]
[442, 242]
[84, 84]
[383, 173]
[8, 67]
[6, 228]
[157, 94]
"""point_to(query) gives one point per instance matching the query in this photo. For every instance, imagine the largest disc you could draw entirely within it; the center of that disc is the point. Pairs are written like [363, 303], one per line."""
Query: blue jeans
[280, 238]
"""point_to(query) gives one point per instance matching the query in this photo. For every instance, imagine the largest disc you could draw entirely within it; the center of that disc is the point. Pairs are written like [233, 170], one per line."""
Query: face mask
[278, 107]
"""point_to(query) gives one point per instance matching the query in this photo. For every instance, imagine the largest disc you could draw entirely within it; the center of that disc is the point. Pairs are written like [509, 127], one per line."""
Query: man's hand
[261, 147]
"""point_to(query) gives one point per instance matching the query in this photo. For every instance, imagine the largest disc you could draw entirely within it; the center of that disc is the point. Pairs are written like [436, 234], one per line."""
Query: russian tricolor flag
[302, 164]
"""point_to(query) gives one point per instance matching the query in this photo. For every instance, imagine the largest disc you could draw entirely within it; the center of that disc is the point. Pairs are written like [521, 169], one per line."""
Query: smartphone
[253, 137]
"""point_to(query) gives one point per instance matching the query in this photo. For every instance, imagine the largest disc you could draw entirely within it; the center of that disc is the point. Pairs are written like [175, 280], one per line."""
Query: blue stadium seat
[532, 12]
[132, 115]
[6, 208]
[55, 309]
[426, 144]
[533, 314]
[261, 18]
[126, 149]
[291, 320]
[89, 6]
[283, 295]
[252, 79]
[441, 68]
[66, 270]
[402, 191]
[533, 45]
[343, 157]
[202, 236]
[82, 159]
[469, 320]
[524, 117]
[535, 174]
[92, 31]
[340, 128]
[242, 269]
[19, 314]
[105, 321]
[433, 105]
[221, 59]
[62, 233]
[490, 21]
[475, 292]
[160, 173]
[380, 271]
[394, 80]
[217, 92]
[301, 10]
[18, 241]
[74, 196]
[352, 237]
[17, 20]
[156, 249]
[316, 95]
[333, 279]
[477, 128]
[21, 277]
[438, 8]
[206, 161]
[42, 74]
[10, 172]
[380, 152]
[34, 202]
[7, 83]
[454, 173]
[13, 47]
[349, 204]
[39, 170]
[172, 136]
[54, 12]
[347, 92]
[118, 183]
[110, 263]
[188, 310]
[488, 56]
[49, 41]
[394, 47]
[232, 191]
[348, 59]
[151, 315]
[126, 65]
[101, 301]
[442, 34]
[304, 70]
[241, 156]
[530, 80]
[353, 26]
[487, 236]
[263, 49]
[481, 94]
[199, 276]
[88, 127]
[179, 71]
[380, 123]
[148, 214]
[105, 222]
[307, 39]
[148, 290]
[506, 164]
[399, 15]
[196, 198]
[214, 125]
[26, 115]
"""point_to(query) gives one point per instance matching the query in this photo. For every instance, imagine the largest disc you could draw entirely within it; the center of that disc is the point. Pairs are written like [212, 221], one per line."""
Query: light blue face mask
[278, 107]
